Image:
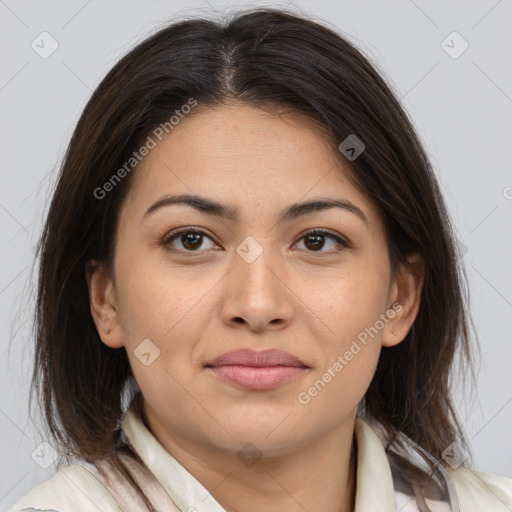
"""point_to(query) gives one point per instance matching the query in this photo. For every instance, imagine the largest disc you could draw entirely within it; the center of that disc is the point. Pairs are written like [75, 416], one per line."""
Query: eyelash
[170, 237]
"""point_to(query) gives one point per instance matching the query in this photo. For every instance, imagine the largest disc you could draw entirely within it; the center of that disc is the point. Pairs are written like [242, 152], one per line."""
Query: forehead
[242, 154]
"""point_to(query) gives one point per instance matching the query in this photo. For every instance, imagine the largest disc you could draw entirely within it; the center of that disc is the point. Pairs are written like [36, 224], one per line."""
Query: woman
[249, 294]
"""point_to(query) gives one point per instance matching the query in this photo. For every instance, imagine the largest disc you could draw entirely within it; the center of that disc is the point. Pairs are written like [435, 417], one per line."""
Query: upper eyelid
[187, 229]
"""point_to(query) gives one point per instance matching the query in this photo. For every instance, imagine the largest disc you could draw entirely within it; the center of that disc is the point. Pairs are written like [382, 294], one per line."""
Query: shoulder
[72, 489]
[477, 490]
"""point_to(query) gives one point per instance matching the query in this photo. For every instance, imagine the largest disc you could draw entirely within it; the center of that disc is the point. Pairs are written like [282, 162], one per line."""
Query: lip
[261, 358]
[256, 370]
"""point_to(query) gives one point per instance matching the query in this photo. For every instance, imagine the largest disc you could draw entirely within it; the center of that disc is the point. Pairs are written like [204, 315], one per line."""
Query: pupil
[191, 239]
[318, 241]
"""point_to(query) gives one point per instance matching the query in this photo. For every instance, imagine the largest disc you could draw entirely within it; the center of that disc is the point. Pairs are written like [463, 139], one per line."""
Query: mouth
[252, 370]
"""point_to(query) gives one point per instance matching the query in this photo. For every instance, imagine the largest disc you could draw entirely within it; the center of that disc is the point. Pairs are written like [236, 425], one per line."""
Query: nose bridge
[256, 293]
[254, 265]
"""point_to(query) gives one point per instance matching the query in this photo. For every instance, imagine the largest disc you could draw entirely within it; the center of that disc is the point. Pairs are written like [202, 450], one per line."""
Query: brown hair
[262, 57]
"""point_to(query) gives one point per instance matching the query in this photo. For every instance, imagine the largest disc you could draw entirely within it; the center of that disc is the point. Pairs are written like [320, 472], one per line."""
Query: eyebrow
[228, 212]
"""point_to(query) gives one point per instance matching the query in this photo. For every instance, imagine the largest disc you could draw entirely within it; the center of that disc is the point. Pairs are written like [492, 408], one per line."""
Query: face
[190, 285]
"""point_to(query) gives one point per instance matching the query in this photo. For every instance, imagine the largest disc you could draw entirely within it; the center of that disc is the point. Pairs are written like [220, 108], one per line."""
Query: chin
[274, 437]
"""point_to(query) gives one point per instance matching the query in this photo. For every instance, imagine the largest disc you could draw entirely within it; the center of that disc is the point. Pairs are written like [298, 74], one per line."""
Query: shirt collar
[374, 484]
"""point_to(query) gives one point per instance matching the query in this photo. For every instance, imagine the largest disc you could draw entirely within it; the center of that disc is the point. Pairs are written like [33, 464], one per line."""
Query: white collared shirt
[80, 487]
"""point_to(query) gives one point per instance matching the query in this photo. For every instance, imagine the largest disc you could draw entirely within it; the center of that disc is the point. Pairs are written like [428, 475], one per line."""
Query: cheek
[161, 301]
[350, 354]
[345, 302]
[338, 388]
[349, 328]
[170, 307]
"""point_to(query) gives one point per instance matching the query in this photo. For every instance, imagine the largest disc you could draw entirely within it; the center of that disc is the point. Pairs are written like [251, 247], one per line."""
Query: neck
[319, 475]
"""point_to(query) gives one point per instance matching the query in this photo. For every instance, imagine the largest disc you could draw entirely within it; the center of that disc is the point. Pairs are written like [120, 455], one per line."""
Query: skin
[311, 301]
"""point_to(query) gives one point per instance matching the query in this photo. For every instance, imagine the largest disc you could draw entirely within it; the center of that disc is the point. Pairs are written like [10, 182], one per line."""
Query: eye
[190, 239]
[315, 240]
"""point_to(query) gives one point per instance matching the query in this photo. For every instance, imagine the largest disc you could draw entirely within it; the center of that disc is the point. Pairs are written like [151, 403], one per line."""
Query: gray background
[462, 108]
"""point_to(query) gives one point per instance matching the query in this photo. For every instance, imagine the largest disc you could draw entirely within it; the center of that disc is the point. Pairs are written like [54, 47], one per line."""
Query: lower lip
[252, 377]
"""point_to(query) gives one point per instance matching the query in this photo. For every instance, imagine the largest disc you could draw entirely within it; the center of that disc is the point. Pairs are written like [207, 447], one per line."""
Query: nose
[257, 295]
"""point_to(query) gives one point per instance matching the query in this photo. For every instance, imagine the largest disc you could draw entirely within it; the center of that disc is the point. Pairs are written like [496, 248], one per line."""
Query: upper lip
[248, 357]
